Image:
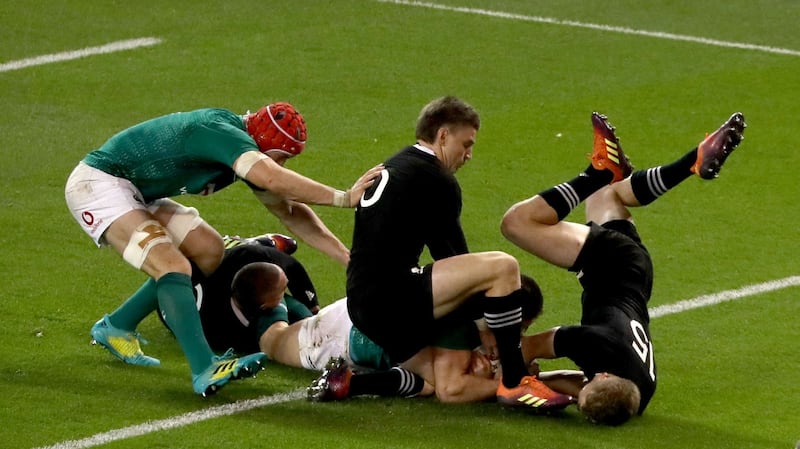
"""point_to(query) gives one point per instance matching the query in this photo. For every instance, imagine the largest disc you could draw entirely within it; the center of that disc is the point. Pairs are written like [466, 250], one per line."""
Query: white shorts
[325, 335]
[96, 199]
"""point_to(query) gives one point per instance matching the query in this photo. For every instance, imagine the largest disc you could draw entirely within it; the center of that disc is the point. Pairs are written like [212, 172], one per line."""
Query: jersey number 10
[643, 347]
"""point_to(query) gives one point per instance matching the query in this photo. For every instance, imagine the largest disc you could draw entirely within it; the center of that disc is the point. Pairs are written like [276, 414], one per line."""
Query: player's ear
[441, 135]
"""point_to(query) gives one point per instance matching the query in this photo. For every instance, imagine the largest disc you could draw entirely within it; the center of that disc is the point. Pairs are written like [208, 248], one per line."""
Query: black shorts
[615, 269]
[396, 312]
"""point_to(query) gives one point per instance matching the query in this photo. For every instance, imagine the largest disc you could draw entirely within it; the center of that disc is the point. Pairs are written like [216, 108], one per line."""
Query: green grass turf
[360, 71]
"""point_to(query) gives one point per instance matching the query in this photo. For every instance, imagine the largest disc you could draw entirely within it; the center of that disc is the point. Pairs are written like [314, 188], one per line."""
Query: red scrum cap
[278, 127]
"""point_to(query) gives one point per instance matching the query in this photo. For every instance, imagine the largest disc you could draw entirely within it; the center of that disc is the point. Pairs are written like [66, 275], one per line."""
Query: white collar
[238, 312]
[424, 149]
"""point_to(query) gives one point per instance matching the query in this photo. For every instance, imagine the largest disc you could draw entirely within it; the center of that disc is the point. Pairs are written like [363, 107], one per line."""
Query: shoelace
[139, 337]
[228, 355]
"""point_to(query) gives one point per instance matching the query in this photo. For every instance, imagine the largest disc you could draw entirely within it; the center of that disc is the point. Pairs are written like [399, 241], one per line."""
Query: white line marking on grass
[595, 26]
[177, 421]
[245, 405]
[727, 295]
[112, 47]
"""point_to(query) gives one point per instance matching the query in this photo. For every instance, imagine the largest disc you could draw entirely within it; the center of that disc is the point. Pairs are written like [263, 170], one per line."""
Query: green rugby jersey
[177, 154]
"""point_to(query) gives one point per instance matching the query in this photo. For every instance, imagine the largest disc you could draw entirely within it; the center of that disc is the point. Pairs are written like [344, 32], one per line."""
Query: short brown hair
[252, 283]
[611, 402]
[533, 302]
[445, 111]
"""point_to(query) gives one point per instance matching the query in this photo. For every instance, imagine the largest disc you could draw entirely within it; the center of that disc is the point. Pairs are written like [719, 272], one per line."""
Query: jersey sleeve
[300, 284]
[271, 316]
[590, 347]
[297, 310]
[451, 244]
[447, 238]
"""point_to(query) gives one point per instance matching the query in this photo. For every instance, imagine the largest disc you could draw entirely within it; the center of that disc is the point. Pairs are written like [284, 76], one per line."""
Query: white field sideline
[595, 26]
[112, 47]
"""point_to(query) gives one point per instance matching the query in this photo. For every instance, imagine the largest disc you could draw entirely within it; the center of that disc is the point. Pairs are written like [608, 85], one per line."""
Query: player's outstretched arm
[303, 222]
[538, 346]
[569, 382]
[268, 175]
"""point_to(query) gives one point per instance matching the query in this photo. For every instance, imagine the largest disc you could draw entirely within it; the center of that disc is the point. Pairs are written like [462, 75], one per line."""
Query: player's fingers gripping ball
[278, 127]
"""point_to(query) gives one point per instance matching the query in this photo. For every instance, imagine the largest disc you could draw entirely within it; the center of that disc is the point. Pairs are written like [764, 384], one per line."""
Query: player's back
[614, 341]
[180, 153]
[401, 213]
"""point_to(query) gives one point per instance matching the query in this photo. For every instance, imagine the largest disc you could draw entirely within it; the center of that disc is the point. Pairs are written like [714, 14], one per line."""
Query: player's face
[456, 145]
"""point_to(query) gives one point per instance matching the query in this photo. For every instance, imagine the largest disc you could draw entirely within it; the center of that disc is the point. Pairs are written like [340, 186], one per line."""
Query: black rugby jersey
[415, 203]
[615, 342]
[221, 325]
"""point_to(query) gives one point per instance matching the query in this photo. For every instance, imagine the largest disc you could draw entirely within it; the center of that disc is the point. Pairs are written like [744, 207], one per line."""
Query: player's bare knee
[210, 255]
[504, 265]
[602, 198]
[144, 238]
[512, 223]
[196, 238]
[606, 205]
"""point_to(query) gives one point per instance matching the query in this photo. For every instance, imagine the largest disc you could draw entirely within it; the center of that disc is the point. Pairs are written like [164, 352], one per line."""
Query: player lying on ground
[612, 345]
[243, 306]
[451, 364]
[258, 281]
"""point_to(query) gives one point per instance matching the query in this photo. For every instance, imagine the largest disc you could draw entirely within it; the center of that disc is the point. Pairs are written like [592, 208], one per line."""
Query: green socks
[178, 309]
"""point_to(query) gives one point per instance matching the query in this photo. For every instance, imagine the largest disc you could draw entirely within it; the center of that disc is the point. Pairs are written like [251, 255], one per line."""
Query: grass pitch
[360, 71]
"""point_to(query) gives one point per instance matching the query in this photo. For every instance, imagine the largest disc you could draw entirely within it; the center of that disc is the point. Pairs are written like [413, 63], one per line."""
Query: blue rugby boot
[123, 344]
[225, 368]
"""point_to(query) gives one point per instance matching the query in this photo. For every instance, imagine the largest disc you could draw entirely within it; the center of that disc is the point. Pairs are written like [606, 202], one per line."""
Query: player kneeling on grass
[612, 345]
[119, 194]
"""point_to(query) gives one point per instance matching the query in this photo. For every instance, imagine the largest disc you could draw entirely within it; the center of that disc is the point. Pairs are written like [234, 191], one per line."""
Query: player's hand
[362, 184]
[480, 366]
[533, 368]
[489, 344]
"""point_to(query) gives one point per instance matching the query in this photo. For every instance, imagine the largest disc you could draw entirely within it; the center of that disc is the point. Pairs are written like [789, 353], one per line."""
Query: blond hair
[611, 401]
